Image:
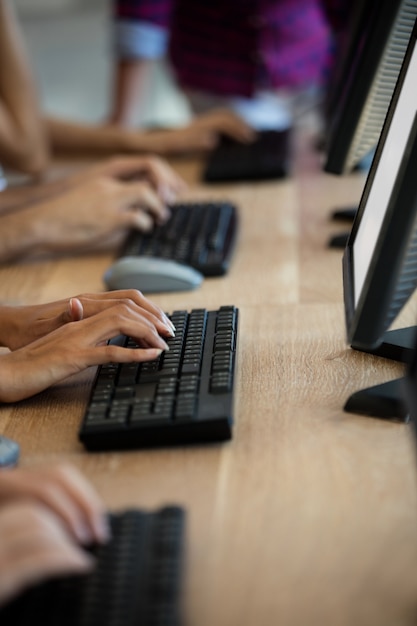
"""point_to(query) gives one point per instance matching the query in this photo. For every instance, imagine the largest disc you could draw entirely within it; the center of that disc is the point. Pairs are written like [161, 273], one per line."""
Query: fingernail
[84, 534]
[102, 529]
[168, 321]
[170, 331]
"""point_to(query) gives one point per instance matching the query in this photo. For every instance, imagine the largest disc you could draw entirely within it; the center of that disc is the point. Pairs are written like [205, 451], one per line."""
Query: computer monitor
[380, 260]
[361, 94]
[409, 389]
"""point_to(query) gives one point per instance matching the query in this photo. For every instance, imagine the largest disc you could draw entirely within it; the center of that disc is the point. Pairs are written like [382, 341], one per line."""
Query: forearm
[140, 40]
[21, 232]
[14, 198]
[23, 143]
[132, 80]
[71, 137]
[6, 324]
[107, 139]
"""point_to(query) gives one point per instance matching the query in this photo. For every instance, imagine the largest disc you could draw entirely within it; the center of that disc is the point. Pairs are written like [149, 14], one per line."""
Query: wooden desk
[309, 516]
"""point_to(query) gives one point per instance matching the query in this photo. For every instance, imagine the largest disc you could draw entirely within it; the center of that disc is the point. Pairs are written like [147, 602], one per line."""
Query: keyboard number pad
[224, 351]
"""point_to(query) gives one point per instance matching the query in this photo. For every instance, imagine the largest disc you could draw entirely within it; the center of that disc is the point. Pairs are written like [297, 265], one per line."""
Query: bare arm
[68, 137]
[132, 79]
[23, 144]
[19, 197]
[200, 135]
[90, 208]
[164, 180]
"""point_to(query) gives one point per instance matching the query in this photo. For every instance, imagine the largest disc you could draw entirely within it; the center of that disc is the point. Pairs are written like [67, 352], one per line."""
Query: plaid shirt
[233, 47]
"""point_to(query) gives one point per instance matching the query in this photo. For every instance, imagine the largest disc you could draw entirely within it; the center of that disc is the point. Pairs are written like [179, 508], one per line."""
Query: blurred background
[70, 45]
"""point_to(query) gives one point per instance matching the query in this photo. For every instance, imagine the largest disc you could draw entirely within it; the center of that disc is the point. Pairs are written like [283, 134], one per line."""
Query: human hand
[63, 490]
[201, 134]
[91, 214]
[76, 346]
[224, 121]
[163, 178]
[20, 325]
[35, 546]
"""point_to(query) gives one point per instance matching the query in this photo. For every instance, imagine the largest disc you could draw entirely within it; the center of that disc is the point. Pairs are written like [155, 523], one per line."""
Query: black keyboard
[185, 396]
[268, 157]
[202, 235]
[136, 579]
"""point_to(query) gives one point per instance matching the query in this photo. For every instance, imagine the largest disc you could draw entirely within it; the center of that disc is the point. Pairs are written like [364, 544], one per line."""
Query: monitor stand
[338, 241]
[386, 401]
[345, 214]
[383, 401]
[396, 345]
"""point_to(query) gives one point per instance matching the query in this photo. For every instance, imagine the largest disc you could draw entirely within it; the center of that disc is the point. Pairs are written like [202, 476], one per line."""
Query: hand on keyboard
[44, 513]
[164, 179]
[24, 324]
[136, 578]
[76, 346]
[223, 121]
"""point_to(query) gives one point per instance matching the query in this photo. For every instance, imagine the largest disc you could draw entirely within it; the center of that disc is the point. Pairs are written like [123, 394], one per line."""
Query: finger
[165, 180]
[61, 502]
[239, 130]
[72, 313]
[76, 310]
[121, 319]
[207, 139]
[134, 299]
[139, 220]
[142, 196]
[65, 491]
[116, 354]
[89, 506]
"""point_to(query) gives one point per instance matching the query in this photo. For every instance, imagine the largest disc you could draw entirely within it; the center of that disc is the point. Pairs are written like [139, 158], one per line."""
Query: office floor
[71, 53]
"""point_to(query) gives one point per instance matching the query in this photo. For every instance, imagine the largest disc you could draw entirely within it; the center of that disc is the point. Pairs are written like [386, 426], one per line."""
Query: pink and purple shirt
[233, 47]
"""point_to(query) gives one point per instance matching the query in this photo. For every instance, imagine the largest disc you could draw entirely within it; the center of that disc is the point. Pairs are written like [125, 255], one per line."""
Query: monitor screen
[380, 260]
[360, 98]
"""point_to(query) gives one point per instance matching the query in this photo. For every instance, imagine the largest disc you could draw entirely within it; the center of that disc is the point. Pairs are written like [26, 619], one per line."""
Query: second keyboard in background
[201, 234]
[268, 157]
[185, 396]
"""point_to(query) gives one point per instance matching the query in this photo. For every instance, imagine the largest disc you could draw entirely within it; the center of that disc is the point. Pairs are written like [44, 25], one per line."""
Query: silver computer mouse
[9, 452]
[151, 274]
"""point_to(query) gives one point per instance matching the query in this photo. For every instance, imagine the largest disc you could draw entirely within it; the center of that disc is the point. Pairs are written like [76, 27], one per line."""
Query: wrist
[18, 234]
[7, 324]
[135, 140]
[7, 391]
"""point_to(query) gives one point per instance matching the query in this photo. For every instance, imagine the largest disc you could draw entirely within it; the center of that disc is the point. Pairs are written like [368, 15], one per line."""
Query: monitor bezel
[358, 80]
[365, 326]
